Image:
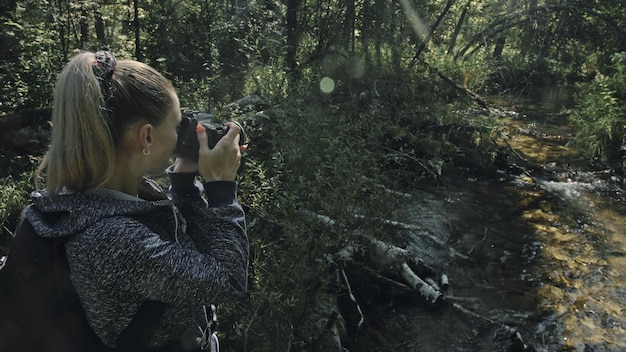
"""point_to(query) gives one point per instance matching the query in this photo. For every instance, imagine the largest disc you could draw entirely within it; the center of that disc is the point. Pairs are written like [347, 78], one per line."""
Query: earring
[146, 152]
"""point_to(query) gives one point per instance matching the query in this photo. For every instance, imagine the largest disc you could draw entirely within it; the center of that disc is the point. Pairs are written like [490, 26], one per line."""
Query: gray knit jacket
[185, 250]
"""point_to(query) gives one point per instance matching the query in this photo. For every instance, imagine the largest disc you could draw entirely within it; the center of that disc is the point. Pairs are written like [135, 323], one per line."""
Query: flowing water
[553, 245]
[576, 253]
[545, 248]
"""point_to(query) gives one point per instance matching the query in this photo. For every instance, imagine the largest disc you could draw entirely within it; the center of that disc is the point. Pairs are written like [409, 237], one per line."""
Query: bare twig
[352, 298]
[245, 333]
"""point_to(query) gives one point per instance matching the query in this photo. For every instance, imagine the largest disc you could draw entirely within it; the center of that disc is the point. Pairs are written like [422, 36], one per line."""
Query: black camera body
[187, 146]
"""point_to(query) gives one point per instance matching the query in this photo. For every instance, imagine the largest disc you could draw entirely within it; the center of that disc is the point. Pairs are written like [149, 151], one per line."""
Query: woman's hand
[222, 162]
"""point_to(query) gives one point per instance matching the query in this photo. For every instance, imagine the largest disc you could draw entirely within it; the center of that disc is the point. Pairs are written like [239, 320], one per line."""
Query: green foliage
[195, 94]
[30, 61]
[316, 162]
[601, 115]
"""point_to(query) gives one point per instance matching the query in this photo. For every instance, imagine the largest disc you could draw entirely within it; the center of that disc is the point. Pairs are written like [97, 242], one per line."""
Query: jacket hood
[67, 214]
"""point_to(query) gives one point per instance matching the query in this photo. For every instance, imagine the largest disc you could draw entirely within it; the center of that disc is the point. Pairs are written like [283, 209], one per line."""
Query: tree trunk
[71, 26]
[292, 34]
[365, 28]
[529, 32]
[99, 27]
[501, 41]
[207, 14]
[84, 27]
[458, 27]
[379, 35]
[62, 30]
[137, 28]
[349, 25]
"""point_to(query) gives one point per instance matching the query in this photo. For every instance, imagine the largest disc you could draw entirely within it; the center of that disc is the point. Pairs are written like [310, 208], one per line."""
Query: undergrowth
[314, 180]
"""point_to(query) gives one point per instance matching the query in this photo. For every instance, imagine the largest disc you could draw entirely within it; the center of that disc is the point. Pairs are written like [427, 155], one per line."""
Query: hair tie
[103, 67]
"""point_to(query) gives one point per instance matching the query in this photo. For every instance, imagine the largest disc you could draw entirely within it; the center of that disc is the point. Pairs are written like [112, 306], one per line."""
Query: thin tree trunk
[84, 27]
[529, 31]
[458, 27]
[62, 31]
[365, 29]
[99, 26]
[430, 32]
[379, 7]
[292, 34]
[71, 26]
[207, 55]
[501, 41]
[349, 24]
[137, 28]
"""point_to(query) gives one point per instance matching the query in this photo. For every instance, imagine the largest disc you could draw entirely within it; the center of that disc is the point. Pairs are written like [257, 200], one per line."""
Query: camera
[187, 146]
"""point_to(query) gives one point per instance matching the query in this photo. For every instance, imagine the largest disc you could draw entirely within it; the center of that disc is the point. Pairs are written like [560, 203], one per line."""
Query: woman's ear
[145, 135]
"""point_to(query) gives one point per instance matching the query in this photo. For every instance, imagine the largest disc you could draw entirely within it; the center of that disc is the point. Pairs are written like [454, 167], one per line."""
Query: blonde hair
[90, 115]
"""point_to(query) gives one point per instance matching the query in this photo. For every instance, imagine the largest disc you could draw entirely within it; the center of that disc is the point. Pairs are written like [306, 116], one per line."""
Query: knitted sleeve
[131, 260]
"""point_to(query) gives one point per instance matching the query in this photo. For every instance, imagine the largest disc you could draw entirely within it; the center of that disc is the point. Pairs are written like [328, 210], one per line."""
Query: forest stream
[541, 252]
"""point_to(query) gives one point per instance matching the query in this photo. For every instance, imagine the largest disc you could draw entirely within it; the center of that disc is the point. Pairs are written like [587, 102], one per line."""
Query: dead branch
[386, 257]
[379, 277]
[426, 290]
[477, 98]
[346, 282]
[387, 190]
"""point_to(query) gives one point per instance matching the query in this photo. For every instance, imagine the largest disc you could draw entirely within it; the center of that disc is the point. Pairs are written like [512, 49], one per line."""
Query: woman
[114, 123]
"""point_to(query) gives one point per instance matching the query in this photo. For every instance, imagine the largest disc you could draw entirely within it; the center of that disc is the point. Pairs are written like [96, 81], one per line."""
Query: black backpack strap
[23, 273]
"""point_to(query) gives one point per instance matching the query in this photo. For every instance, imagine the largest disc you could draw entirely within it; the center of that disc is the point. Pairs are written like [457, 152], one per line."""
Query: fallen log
[383, 255]
[412, 227]
[386, 258]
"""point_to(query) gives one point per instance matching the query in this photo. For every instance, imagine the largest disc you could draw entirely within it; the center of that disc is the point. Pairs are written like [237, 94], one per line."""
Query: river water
[545, 247]
[553, 245]
[574, 258]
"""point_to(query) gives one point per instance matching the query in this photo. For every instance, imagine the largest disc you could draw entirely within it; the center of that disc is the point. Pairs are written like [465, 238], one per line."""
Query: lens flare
[420, 29]
[327, 85]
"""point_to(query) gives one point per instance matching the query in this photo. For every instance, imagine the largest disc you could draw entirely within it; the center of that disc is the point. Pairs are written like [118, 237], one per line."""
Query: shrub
[601, 115]
[13, 197]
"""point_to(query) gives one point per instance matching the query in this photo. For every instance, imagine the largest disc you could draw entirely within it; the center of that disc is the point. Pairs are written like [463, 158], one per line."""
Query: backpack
[40, 309]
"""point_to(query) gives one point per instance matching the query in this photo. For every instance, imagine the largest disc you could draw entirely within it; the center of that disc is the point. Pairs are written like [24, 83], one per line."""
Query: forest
[337, 97]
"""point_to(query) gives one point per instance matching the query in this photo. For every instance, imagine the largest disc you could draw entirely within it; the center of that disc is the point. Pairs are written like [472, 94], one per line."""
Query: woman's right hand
[222, 162]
